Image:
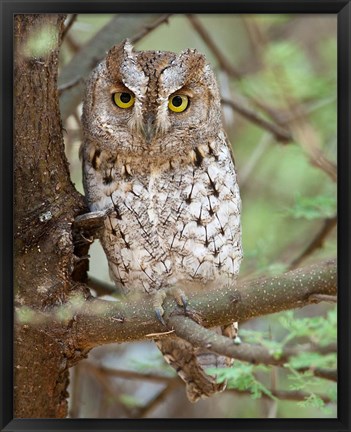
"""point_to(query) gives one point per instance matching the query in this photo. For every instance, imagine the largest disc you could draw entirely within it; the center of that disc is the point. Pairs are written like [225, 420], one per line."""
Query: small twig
[222, 61]
[316, 243]
[280, 134]
[147, 29]
[71, 21]
[176, 381]
[153, 335]
[103, 373]
[302, 131]
[316, 298]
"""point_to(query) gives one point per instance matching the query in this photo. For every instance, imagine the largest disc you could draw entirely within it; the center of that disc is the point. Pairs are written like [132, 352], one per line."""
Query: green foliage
[288, 72]
[241, 377]
[319, 330]
[312, 401]
[314, 207]
[313, 360]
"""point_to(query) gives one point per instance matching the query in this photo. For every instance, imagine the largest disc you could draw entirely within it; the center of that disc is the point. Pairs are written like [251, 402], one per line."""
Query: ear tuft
[116, 56]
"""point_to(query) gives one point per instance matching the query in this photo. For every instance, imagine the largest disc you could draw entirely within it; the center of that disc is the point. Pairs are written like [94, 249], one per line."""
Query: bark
[46, 204]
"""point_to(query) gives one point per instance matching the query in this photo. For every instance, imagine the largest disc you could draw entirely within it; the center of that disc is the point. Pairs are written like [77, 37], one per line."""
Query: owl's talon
[184, 302]
[159, 312]
[180, 298]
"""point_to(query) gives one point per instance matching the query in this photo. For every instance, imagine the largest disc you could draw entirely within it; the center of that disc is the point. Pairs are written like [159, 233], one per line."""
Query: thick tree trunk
[45, 206]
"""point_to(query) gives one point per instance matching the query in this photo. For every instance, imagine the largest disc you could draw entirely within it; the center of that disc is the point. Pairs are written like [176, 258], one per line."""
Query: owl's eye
[123, 99]
[178, 103]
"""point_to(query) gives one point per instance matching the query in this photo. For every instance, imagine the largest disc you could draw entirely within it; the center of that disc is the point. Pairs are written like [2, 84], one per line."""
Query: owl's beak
[149, 127]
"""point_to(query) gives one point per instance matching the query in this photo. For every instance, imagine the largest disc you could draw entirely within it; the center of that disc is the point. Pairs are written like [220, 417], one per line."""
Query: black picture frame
[343, 11]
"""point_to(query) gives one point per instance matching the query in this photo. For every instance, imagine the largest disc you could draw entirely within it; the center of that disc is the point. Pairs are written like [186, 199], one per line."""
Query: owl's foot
[157, 304]
[179, 296]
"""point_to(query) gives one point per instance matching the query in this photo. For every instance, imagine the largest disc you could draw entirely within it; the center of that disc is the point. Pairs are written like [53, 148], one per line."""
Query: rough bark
[46, 204]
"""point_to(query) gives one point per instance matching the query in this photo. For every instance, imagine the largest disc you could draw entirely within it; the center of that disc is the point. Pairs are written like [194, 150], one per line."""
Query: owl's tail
[190, 364]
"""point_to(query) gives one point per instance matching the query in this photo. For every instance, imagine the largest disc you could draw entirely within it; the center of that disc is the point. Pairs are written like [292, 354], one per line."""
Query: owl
[157, 160]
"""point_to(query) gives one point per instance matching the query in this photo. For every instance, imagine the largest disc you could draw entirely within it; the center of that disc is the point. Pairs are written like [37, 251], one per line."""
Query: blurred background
[277, 75]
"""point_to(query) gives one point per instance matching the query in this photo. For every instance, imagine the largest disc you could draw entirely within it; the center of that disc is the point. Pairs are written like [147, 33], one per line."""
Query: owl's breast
[174, 226]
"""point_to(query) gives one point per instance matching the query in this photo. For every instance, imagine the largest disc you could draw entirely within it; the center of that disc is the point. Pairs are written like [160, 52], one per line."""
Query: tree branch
[279, 133]
[97, 322]
[255, 354]
[206, 37]
[316, 243]
[69, 24]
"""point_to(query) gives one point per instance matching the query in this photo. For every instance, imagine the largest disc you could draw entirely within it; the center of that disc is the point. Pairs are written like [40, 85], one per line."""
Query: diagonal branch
[316, 243]
[282, 135]
[207, 38]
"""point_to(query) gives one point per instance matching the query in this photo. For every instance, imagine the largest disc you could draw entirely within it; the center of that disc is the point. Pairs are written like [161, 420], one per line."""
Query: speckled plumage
[173, 194]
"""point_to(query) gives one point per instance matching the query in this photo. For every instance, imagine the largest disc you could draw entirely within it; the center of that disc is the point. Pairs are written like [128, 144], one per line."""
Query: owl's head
[151, 100]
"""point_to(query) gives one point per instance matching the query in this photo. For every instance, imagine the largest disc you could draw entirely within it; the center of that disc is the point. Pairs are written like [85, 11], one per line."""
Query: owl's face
[151, 101]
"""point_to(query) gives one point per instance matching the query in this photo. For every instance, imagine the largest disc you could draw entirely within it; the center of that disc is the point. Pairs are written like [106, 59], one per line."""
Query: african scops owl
[156, 158]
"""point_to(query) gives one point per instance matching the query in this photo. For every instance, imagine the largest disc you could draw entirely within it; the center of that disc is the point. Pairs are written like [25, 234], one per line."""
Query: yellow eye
[178, 103]
[123, 99]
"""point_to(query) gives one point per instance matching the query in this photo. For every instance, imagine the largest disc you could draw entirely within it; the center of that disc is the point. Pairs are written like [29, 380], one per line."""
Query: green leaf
[316, 207]
[241, 377]
[312, 401]
[313, 360]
